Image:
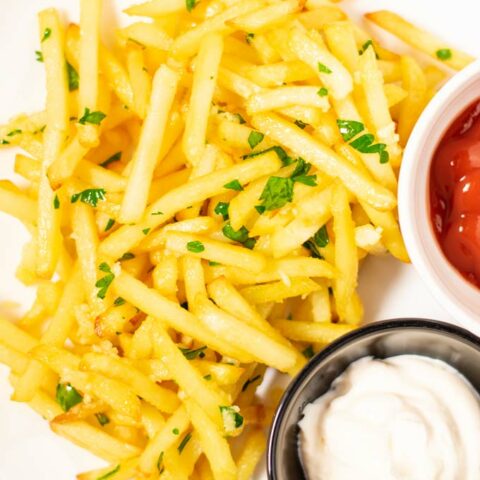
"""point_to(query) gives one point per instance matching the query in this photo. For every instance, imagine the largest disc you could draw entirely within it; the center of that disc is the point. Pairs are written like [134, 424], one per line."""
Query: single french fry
[204, 79]
[286, 97]
[148, 149]
[420, 39]
[148, 34]
[213, 443]
[253, 448]
[215, 251]
[330, 71]
[90, 11]
[346, 260]
[315, 332]
[325, 160]
[267, 17]
[340, 39]
[255, 342]
[17, 204]
[156, 8]
[415, 83]
[139, 78]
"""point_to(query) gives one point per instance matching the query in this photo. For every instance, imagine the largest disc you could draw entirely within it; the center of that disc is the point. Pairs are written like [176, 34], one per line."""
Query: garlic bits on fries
[200, 198]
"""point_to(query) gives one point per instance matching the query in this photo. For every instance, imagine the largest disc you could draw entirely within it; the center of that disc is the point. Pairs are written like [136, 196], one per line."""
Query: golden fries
[201, 195]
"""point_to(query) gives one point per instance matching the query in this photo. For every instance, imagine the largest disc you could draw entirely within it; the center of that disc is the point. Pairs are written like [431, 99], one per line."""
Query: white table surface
[389, 289]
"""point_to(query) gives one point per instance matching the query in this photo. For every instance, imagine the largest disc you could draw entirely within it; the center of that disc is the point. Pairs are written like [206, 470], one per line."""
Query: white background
[28, 449]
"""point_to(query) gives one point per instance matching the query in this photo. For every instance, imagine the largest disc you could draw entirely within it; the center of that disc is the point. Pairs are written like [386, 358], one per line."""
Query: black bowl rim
[382, 325]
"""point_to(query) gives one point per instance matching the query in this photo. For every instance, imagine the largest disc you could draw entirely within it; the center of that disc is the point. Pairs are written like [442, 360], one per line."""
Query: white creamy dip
[404, 418]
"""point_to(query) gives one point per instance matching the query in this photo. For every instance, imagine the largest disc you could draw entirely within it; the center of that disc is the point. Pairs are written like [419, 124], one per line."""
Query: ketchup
[455, 193]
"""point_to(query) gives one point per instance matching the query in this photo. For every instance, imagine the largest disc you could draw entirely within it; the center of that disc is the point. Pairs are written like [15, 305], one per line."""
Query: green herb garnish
[190, 4]
[103, 283]
[119, 301]
[281, 154]
[255, 138]
[110, 224]
[56, 202]
[222, 209]
[444, 54]
[126, 256]
[350, 128]
[323, 68]
[234, 185]
[109, 474]
[38, 56]
[67, 396]
[232, 420]
[146, 231]
[73, 78]
[102, 419]
[308, 352]
[249, 37]
[114, 158]
[250, 381]
[323, 92]
[240, 235]
[94, 118]
[300, 124]
[91, 196]
[184, 442]
[190, 354]
[195, 247]
[160, 466]
[46, 33]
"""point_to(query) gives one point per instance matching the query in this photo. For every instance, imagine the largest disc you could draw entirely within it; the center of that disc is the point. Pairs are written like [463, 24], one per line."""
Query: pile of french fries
[199, 198]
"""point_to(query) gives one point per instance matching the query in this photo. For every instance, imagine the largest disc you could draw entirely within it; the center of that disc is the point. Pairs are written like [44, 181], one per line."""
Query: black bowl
[454, 345]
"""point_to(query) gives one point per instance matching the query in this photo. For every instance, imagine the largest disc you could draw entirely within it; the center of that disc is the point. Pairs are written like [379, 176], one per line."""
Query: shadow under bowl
[454, 345]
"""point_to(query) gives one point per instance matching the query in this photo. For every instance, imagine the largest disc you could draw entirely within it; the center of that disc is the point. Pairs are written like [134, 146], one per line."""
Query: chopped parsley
[234, 185]
[300, 124]
[67, 396]
[207, 377]
[17, 131]
[321, 237]
[249, 37]
[38, 56]
[240, 235]
[195, 247]
[184, 442]
[190, 354]
[91, 196]
[94, 118]
[4, 142]
[322, 68]
[308, 352]
[114, 158]
[213, 264]
[73, 78]
[126, 256]
[260, 209]
[146, 231]
[255, 138]
[175, 431]
[46, 34]
[190, 4]
[444, 54]
[110, 224]
[232, 420]
[102, 419]
[281, 154]
[119, 301]
[323, 92]
[349, 128]
[367, 44]
[103, 283]
[157, 213]
[365, 143]
[109, 474]
[278, 191]
[241, 120]
[250, 381]
[160, 466]
[56, 202]
[222, 209]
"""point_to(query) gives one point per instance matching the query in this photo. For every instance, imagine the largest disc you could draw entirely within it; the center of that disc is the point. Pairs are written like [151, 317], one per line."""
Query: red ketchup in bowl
[455, 193]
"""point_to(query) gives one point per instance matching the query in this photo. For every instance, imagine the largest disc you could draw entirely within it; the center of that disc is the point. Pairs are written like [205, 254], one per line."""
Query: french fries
[201, 195]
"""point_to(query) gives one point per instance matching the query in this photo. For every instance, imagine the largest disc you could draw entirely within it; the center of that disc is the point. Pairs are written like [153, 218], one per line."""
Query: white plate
[388, 288]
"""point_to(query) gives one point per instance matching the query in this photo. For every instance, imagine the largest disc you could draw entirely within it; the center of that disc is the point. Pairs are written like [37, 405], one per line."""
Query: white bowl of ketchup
[439, 196]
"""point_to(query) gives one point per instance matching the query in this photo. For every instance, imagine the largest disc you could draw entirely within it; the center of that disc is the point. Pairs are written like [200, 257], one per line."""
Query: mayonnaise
[407, 417]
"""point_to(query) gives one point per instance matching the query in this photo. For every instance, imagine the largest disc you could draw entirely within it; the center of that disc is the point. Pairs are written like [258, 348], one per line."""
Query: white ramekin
[452, 291]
